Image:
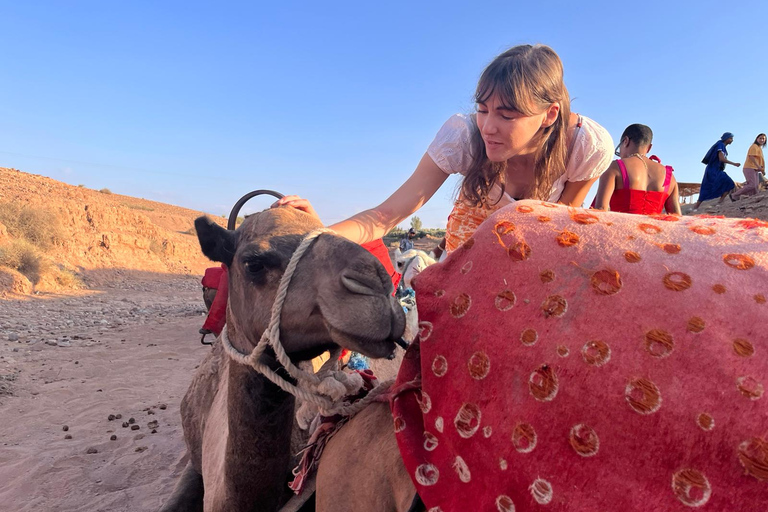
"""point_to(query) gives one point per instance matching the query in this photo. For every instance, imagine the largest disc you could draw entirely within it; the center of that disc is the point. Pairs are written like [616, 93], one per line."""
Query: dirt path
[128, 349]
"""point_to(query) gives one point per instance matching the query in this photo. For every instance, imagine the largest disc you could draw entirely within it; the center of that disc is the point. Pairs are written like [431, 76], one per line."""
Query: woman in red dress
[634, 183]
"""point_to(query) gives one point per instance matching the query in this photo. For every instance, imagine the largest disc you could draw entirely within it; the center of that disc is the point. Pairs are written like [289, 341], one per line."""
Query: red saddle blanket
[575, 360]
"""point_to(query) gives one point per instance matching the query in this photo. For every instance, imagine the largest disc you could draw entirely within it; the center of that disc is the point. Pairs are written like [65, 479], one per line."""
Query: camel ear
[217, 243]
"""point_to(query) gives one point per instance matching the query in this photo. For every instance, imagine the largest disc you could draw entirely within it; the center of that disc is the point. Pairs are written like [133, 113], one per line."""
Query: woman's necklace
[638, 155]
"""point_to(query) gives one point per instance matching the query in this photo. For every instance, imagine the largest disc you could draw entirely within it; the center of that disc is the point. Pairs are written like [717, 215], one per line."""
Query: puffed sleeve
[592, 152]
[451, 149]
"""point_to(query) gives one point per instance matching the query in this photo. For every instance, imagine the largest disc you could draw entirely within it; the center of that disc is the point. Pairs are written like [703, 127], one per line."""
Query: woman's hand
[298, 203]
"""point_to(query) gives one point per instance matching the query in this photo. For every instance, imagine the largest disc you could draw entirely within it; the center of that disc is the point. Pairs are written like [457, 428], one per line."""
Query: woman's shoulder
[450, 149]
[592, 151]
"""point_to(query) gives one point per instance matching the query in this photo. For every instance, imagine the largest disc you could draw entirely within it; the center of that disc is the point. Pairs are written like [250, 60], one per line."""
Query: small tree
[416, 223]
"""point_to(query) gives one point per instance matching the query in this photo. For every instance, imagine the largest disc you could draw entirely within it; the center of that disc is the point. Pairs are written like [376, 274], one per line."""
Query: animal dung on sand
[581, 342]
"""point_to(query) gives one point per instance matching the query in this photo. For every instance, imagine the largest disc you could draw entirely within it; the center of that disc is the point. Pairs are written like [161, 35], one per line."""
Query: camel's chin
[374, 348]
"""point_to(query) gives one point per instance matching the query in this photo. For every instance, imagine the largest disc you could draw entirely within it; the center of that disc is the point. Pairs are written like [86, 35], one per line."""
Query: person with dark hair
[716, 181]
[635, 183]
[754, 165]
[522, 142]
[406, 243]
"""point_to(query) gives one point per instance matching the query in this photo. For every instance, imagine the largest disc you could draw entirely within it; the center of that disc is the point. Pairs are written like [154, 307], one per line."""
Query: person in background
[716, 182]
[406, 243]
[754, 167]
[522, 142]
[635, 183]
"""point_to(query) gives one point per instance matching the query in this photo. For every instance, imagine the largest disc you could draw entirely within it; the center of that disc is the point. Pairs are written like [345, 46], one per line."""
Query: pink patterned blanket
[579, 360]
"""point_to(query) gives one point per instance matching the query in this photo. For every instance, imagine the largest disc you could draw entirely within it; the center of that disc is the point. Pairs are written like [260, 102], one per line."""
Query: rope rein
[320, 392]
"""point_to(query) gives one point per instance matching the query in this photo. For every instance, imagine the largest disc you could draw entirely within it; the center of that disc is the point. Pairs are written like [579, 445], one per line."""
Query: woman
[754, 164]
[716, 182]
[635, 183]
[522, 142]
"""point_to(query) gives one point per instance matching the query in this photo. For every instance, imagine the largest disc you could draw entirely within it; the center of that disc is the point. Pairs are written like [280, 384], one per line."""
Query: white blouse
[591, 154]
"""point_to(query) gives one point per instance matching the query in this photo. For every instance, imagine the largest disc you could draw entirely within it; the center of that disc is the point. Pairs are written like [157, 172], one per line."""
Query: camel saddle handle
[240, 202]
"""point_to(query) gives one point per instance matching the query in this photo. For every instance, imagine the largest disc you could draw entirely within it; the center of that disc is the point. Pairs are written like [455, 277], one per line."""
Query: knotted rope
[320, 392]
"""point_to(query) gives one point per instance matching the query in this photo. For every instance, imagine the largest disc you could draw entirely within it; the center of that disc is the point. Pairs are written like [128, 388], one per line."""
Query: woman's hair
[527, 79]
[638, 133]
[758, 136]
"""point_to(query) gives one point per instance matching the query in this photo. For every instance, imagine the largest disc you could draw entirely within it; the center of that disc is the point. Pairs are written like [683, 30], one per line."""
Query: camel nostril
[361, 285]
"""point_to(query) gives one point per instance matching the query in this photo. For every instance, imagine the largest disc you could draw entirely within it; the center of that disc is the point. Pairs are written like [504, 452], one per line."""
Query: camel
[411, 263]
[237, 424]
[605, 340]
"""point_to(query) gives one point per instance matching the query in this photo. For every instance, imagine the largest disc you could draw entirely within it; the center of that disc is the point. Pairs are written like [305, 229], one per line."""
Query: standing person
[716, 181]
[753, 165]
[406, 243]
[635, 183]
[522, 142]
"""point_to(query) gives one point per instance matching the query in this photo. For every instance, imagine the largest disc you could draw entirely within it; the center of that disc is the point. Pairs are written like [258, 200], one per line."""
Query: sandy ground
[127, 349]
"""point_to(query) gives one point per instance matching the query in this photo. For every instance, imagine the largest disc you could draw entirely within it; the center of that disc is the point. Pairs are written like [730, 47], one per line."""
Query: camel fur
[237, 424]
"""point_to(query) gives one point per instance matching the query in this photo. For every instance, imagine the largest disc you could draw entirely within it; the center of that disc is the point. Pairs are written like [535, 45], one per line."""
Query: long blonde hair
[527, 79]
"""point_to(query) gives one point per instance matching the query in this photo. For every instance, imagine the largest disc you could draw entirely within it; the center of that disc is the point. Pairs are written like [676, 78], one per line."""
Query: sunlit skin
[508, 133]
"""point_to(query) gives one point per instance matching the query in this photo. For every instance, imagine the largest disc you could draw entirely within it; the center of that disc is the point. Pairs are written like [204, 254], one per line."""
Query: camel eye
[254, 266]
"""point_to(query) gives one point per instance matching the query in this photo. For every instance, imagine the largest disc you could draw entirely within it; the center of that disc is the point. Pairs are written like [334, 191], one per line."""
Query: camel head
[411, 263]
[340, 294]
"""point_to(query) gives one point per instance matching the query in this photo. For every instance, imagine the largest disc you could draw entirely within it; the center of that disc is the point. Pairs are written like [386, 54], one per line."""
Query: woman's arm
[672, 204]
[575, 192]
[606, 188]
[376, 222]
[724, 160]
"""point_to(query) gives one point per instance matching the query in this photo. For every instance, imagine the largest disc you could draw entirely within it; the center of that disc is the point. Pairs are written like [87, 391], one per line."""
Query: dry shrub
[23, 257]
[67, 279]
[36, 225]
[155, 246]
[105, 191]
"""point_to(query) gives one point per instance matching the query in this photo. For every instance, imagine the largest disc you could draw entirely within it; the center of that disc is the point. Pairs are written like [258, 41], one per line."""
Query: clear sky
[197, 103]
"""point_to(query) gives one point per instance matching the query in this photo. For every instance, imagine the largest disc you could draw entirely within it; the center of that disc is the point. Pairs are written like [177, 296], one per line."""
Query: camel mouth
[372, 347]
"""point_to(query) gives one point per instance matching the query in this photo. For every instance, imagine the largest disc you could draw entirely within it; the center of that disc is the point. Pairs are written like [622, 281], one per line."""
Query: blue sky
[197, 103]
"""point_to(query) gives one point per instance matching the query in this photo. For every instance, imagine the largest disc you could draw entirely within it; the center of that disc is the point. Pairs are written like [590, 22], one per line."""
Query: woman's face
[509, 133]
[761, 140]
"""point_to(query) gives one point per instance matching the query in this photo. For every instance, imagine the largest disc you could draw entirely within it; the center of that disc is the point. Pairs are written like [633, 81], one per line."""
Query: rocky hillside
[98, 234]
[753, 207]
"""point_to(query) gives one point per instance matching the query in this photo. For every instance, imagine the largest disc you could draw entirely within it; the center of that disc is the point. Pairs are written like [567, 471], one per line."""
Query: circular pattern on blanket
[759, 298]
[750, 387]
[541, 490]
[468, 244]
[467, 420]
[743, 347]
[643, 396]
[606, 282]
[520, 251]
[524, 208]
[529, 337]
[584, 440]
[505, 300]
[632, 256]
[739, 261]
[596, 353]
[460, 305]
[677, 281]
[718, 289]
[479, 365]
[544, 218]
[524, 437]
[563, 351]
[440, 366]
[705, 421]
[439, 424]
[462, 469]
[649, 228]
[691, 487]
[427, 475]
[567, 238]
[399, 423]
[659, 343]
[543, 383]
[547, 276]
[430, 441]
[695, 324]
[753, 455]
[505, 504]
[425, 402]
[702, 230]
[466, 267]
[554, 305]
[584, 218]
[671, 248]
[425, 330]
